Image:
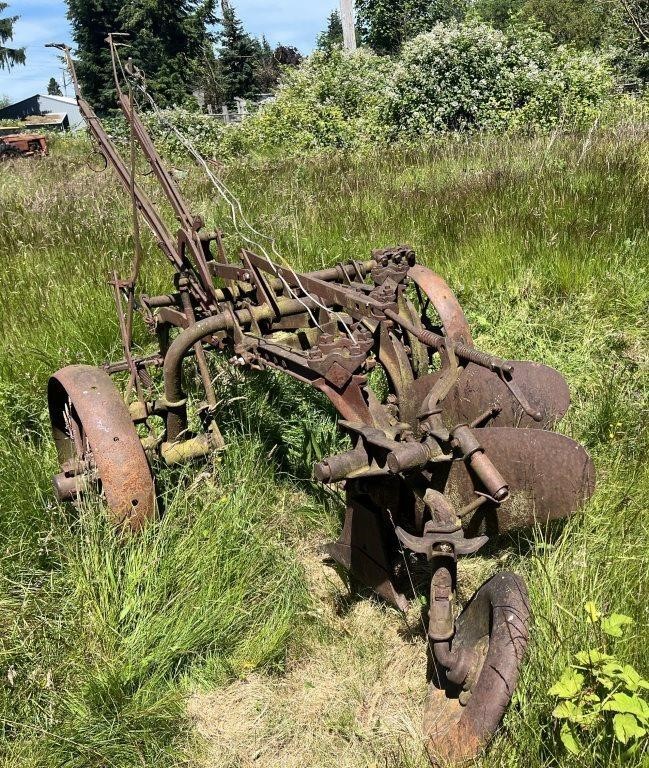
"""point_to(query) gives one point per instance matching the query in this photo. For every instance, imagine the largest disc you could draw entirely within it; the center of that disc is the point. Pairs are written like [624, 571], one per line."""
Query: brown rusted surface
[92, 425]
[363, 551]
[443, 299]
[478, 389]
[549, 477]
[22, 145]
[494, 626]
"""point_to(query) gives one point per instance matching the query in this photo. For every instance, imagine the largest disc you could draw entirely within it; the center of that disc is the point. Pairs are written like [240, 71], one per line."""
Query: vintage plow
[458, 451]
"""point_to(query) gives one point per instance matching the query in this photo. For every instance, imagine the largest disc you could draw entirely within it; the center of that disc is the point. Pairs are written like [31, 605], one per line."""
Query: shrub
[471, 76]
[205, 132]
[330, 101]
[570, 91]
[458, 77]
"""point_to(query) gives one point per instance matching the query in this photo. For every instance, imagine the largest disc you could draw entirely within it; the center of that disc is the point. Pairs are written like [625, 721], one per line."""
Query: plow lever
[512, 386]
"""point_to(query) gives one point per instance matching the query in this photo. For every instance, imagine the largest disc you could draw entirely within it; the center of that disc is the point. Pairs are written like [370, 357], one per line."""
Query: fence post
[226, 113]
[241, 108]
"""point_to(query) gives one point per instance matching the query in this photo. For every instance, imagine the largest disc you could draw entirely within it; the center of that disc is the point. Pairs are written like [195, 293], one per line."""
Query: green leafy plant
[599, 699]
[471, 76]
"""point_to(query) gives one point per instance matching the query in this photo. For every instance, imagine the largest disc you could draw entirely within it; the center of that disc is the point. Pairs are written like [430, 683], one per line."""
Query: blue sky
[292, 22]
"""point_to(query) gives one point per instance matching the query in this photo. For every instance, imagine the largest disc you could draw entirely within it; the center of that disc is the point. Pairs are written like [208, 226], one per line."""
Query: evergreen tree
[9, 57]
[332, 36]
[53, 88]
[386, 24]
[243, 67]
[239, 57]
[168, 40]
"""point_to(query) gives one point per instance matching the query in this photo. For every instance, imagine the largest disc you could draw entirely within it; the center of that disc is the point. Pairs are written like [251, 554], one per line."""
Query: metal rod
[201, 360]
[172, 367]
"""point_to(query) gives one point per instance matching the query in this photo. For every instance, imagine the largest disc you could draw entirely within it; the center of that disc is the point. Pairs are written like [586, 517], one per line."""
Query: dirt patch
[355, 699]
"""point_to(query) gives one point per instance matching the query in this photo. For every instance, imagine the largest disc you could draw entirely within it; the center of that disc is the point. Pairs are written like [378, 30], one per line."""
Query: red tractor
[22, 145]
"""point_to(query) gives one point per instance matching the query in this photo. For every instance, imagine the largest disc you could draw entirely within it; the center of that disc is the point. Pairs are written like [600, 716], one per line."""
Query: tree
[168, 40]
[243, 66]
[4, 101]
[270, 63]
[583, 24]
[288, 56]
[332, 36]
[633, 58]
[636, 13]
[386, 24]
[53, 88]
[240, 56]
[9, 57]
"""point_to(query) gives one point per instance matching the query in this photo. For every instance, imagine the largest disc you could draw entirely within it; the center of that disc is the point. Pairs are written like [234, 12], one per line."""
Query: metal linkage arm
[165, 240]
[496, 364]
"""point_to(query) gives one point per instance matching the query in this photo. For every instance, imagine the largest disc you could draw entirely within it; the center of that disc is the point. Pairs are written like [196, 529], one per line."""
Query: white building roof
[63, 99]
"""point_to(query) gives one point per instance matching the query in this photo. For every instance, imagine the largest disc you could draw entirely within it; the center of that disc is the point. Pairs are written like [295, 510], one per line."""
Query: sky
[291, 22]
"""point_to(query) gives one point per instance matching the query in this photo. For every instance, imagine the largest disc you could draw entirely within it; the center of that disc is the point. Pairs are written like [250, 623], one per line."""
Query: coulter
[453, 449]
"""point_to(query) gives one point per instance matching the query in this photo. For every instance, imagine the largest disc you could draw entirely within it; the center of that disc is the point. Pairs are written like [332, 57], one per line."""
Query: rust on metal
[461, 718]
[443, 300]
[92, 426]
[549, 477]
[453, 449]
[478, 390]
[22, 145]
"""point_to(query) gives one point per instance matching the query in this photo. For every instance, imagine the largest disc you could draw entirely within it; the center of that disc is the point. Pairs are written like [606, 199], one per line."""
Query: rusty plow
[456, 449]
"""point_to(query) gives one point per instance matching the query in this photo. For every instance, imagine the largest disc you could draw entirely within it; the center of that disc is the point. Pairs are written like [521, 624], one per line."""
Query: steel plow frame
[459, 449]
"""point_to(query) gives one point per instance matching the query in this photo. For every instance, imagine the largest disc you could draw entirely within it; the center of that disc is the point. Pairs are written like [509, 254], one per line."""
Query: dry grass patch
[353, 698]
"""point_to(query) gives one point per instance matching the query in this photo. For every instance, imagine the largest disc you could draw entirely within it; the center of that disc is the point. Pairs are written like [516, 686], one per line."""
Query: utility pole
[349, 28]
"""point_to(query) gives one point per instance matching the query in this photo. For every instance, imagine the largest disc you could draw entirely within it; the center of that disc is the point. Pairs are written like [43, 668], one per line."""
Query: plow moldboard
[549, 476]
[478, 389]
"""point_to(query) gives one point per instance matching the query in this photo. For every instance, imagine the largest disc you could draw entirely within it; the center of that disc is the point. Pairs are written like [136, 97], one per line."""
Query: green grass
[546, 244]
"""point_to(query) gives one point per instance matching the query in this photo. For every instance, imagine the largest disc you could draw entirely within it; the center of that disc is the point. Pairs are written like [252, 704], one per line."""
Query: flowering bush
[471, 76]
[570, 91]
[330, 101]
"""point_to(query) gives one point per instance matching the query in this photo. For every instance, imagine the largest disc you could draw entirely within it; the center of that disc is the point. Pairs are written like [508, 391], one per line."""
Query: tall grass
[546, 243]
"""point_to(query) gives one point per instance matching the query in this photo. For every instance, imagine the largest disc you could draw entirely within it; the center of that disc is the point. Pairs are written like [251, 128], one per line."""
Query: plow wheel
[441, 297]
[97, 444]
[459, 723]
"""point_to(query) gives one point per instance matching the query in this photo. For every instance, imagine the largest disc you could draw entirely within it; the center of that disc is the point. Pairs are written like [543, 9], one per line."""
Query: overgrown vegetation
[601, 706]
[616, 29]
[545, 241]
[457, 78]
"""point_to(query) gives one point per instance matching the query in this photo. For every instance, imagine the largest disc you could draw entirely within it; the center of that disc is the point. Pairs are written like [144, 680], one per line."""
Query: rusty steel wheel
[97, 443]
[458, 724]
[438, 293]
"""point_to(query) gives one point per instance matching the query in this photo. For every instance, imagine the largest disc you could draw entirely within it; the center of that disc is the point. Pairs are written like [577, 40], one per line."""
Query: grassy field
[217, 638]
